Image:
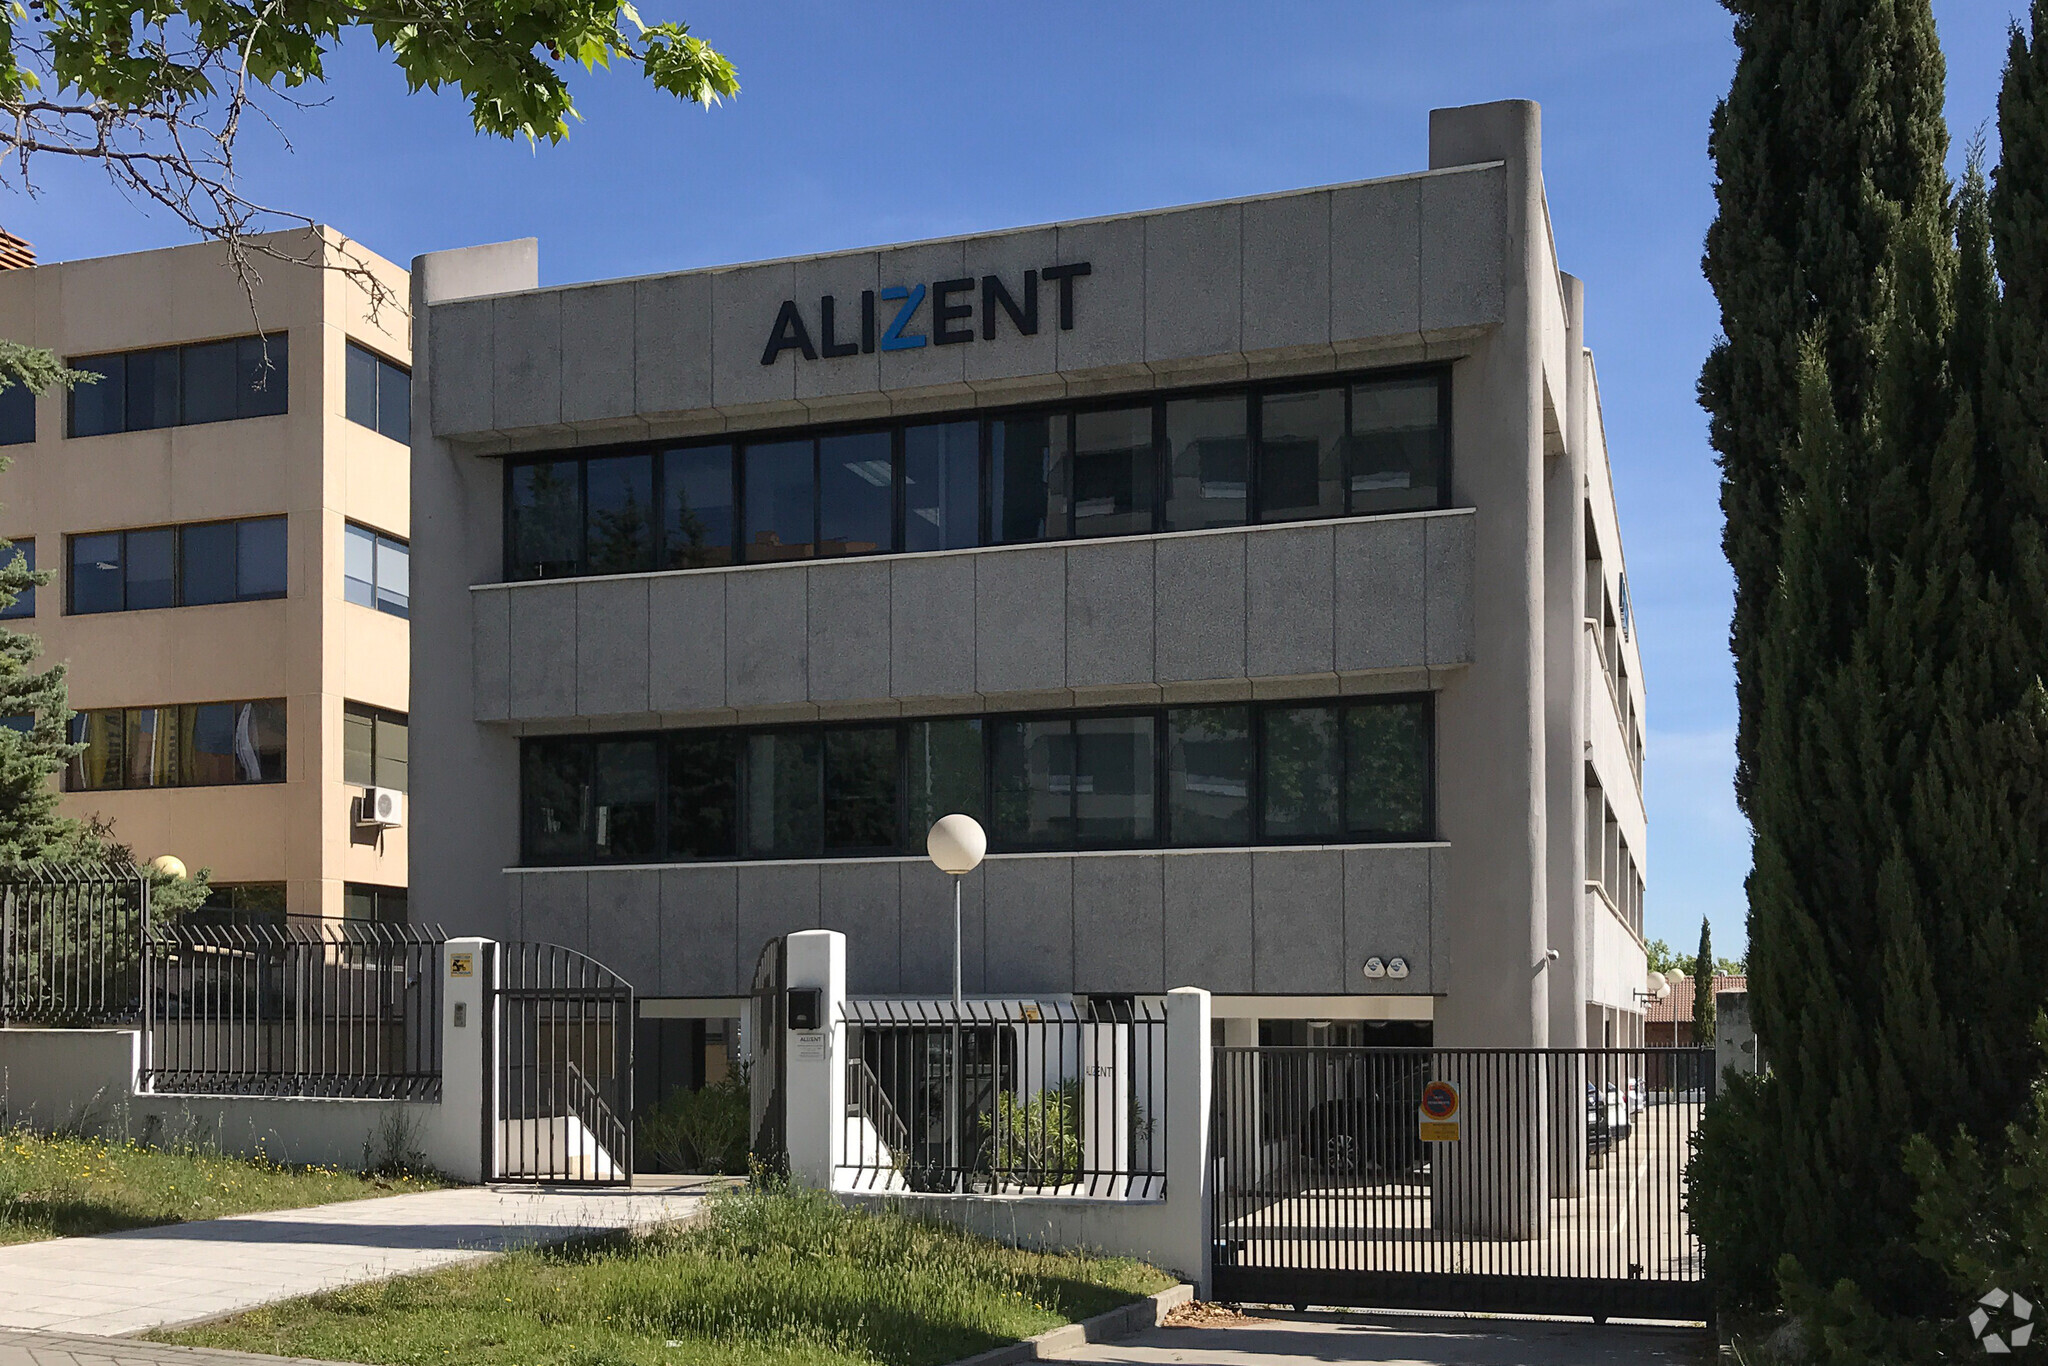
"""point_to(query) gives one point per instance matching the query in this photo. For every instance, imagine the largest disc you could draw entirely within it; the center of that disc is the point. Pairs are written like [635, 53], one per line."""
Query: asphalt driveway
[1279, 1338]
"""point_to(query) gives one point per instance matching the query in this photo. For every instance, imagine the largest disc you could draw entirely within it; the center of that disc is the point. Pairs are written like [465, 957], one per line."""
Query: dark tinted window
[195, 745]
[857, 494]
[782, 794]
[942, 767]
[1032, 781]
[1026, 475]
[780, 499]
[697, 524]
[546, 519]
[1208, 462]
[260, 558]
[1302, 768]
[361, 386]
[555, 784]
[375, 747]
[702, 794]
[1112, 472]
[1209, 775]
[149, 564]
[208, 553]
[100, 406]
[209, 381]
[860, 788]
[17, 416]
[379, 394]
[625, 791]
[1397, 444]
[96, 573]
[24, 604]
[264, 375]
[1301, 455]
[1387, 755]
[152, 389]
[363, 901]
[620, 512]
[942, 486]
[1112, 782]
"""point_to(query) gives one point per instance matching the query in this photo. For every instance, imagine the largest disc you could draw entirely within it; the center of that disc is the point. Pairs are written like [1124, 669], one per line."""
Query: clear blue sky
[866, 124]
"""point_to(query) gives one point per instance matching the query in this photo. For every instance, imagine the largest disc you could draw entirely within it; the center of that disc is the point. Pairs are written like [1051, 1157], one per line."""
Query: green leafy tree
[1830, 135]
[1703, 968]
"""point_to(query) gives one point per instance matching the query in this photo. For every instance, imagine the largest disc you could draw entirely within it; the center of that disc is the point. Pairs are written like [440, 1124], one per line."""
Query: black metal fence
[71, 945]
[335, 1008]
[1507, 1180]
[1007, 1097]
[563, 1072]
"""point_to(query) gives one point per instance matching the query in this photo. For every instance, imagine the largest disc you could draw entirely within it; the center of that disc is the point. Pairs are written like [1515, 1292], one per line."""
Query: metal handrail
[866, 1099]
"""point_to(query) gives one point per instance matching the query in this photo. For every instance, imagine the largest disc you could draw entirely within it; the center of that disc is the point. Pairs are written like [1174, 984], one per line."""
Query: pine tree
[1830, 135]
[34, 741]
[1703, 987]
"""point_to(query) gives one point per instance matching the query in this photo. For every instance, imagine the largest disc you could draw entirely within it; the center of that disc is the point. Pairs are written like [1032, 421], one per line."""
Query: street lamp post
[956, 845]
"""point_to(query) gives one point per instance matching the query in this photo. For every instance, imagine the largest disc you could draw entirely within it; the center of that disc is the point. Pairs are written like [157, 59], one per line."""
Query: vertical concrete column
[1493, 1181]
[463, 1131]
[1491, 738]
[1189, 1173]
[814, 1098]
[1564, 704]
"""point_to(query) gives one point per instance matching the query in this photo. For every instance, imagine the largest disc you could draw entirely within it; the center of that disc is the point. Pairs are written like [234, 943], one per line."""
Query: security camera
[1375, 968]
[1551, 954]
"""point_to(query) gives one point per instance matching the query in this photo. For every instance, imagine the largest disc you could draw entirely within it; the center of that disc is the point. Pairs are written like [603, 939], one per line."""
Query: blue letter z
[893, 338]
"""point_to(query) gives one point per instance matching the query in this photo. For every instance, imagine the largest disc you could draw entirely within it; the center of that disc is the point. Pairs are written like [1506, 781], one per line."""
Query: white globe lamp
[956, 844]
[168, 865]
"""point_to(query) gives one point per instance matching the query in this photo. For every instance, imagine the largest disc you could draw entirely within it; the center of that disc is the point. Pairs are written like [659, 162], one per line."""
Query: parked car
[1370, 1132]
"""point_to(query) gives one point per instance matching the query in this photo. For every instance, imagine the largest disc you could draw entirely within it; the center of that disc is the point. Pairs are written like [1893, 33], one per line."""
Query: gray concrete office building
[1249, 569]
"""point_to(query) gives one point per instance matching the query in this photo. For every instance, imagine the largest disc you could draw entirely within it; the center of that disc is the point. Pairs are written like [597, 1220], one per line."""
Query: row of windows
[177, 386]
[178, 566]
[376, 571]
[203, 744]
[379, 394]
[1182, 463]
[244, 903]
[1185, 776]
[374, 746]
[212, 562]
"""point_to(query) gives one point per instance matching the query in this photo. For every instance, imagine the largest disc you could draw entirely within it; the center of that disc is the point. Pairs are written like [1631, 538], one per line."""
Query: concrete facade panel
[1386, 915]
[490, 655]
[744, 303]
[864, 902]
[597, 340]
[462, 361]
[1193, 274]
[767, 633]
[1201, 606]
[699, 922]
[554, 908]
[1109, 303]
[849, 627]
[1007, 257]
[672, 343]
[1464, 248]
[1379, 594]
[611, 647]
[774, 899]
[1298, 922]
[1209, 919]
[1290, 602]
[1120, 923]
[526, 349]
[1029, 926]
[1440, 959]
[932, 640]
[927, 953]
[1447, 614]
[1286, 289]
[625, 924]
[543, 681]
[1109, 613]
[686, 642]
[1375, 261]
[1020, 608]
[842, 277]
[920, 367]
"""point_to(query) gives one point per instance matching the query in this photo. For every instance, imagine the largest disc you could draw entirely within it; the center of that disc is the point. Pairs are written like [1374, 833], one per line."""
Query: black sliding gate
[560, 1089]
[1485, 1180]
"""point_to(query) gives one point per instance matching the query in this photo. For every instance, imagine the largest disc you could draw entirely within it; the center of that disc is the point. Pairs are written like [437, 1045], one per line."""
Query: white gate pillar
[814, 1070]
[455, 1139]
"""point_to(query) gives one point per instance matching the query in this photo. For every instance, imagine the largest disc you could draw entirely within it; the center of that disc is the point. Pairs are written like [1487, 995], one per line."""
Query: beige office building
[226, 516]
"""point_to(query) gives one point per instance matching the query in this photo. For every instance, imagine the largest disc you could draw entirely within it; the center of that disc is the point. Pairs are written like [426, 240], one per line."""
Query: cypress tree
[1703, 987]
[1830, 134]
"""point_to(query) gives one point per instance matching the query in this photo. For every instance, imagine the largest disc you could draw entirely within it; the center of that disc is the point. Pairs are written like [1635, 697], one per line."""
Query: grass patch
[772, 1277]
[58, 1187]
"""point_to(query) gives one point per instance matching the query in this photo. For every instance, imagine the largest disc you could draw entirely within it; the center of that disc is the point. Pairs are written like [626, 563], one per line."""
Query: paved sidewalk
[1286, 1339]
[131, 1282]
[67, 1349]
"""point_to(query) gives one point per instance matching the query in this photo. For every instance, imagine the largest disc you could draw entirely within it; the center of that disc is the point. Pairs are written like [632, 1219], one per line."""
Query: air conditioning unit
[383, 807]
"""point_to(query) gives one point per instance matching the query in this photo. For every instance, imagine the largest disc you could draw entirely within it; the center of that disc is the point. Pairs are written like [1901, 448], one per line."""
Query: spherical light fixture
[956, 844]
[1676, 975]
[168, 865]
